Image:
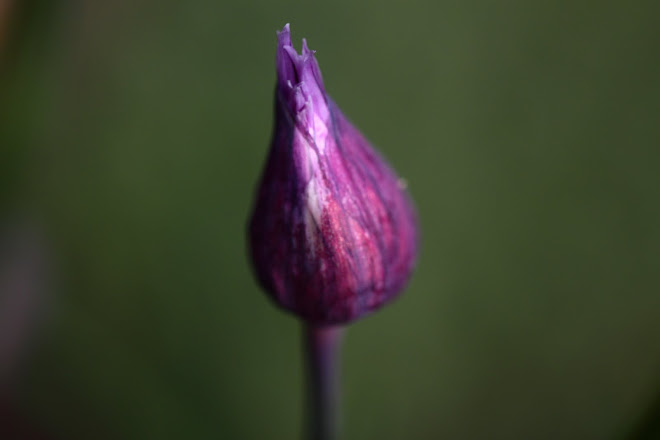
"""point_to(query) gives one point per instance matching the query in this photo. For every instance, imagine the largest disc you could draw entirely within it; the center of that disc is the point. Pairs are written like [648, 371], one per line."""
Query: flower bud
[333, 234]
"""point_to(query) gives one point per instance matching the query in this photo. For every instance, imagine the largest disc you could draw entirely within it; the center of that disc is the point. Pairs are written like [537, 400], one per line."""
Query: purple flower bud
[333, 234]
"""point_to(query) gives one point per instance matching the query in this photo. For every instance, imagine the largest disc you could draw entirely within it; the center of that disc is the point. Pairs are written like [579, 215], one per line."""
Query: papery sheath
[333, 234]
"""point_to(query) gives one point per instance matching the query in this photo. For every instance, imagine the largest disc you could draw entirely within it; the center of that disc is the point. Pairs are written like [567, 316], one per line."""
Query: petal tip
[284, 36]
[305, 48]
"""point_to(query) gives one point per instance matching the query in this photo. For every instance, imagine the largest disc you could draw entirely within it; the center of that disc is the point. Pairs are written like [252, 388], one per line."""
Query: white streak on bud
[315, 200]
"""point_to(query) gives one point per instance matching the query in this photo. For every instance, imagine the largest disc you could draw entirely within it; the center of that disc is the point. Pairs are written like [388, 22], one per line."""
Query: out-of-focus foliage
[133, 134]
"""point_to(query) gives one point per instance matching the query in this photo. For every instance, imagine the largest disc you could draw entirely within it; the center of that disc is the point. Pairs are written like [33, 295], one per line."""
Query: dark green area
[528, 132]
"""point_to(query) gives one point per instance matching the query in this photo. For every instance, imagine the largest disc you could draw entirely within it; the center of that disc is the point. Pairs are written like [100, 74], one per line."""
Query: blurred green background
[133, 134]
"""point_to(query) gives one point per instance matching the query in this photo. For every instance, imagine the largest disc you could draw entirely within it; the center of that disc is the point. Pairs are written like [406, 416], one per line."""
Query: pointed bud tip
[293, 70]
[284, 36]
[305, 49]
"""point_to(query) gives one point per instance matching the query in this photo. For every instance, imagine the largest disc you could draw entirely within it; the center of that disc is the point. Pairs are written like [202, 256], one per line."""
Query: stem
[321, 347]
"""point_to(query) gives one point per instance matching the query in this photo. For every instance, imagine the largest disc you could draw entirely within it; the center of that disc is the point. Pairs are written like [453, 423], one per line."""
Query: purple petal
[333, 233]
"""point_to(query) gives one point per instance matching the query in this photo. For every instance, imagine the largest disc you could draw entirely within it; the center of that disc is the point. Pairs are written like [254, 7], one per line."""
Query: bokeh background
[131, 138]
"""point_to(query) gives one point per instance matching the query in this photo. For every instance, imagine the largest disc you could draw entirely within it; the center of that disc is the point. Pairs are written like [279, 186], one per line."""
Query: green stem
[321, 347]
